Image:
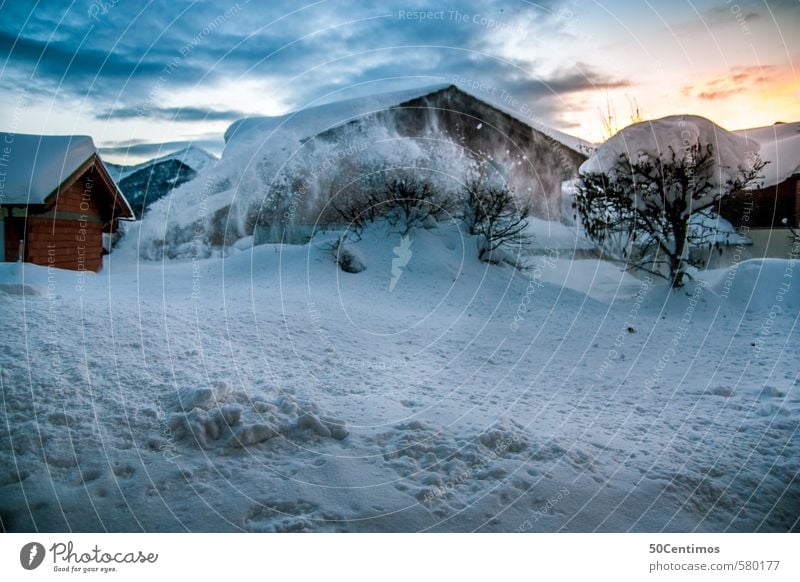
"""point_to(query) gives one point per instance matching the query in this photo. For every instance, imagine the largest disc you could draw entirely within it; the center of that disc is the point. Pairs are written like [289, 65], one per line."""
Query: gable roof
[312, 121]
[36, 166]
[780, 146]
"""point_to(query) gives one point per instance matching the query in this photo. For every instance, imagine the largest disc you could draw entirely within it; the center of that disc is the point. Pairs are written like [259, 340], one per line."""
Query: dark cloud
[171, 113]
[583, 78]
[62, 58]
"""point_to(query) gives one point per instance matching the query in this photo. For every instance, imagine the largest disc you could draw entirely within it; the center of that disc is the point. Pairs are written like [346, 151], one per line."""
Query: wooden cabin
[57, 201]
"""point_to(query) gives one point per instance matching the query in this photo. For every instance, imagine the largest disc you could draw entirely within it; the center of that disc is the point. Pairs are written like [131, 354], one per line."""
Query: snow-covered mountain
[149, 181]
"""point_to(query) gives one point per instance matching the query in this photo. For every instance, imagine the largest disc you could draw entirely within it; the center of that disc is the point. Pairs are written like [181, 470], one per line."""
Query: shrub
[641, 211]
[493, 213]
[406, 203]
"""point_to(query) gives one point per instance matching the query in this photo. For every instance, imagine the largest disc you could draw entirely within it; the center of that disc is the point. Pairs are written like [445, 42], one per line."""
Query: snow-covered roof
[312, 121]
[780, 146]
[38, 164]
[34, 166]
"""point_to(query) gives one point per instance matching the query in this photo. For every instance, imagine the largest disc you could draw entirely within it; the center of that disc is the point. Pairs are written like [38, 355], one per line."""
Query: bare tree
[659, 207]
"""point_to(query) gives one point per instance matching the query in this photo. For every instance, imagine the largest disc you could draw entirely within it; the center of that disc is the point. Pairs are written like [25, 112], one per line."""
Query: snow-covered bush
[347, 257]
[640, 194]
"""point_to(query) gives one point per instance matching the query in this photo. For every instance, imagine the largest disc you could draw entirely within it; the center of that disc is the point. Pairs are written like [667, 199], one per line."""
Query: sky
[148, 77]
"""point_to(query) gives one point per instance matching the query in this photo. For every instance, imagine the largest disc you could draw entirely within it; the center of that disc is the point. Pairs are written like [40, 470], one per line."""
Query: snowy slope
[270, 391]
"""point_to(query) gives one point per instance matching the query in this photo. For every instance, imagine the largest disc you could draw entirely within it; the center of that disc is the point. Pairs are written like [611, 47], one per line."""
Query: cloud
[124, 53]
[67, 60]
[738, 80]
[583, 78]
[203, 62]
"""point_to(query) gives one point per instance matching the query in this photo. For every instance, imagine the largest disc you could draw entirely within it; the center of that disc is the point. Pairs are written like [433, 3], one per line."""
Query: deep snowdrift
[271, 391]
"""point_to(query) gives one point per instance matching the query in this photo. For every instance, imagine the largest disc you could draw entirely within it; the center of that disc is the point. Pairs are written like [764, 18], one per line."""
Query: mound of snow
[204, 398]
[651, 139]
[22, 290]
[547, 235]
[349, 258]
[29, 280]
[761, 285]
[206, 416]
[244, 243]
[444, 470]
[204, 426]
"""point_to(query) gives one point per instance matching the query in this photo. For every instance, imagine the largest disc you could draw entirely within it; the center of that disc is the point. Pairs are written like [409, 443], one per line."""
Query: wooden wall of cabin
[765, 208]
[69, 233]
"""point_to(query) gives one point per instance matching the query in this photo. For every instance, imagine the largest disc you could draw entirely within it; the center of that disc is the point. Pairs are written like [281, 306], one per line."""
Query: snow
[652, 139]
[270, 391]
[36, 165]
[780, 146]
[311, 121]
[764, 286]
[546, 235]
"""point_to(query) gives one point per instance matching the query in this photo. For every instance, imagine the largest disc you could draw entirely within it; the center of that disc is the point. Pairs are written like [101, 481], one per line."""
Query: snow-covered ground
[271, 391]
